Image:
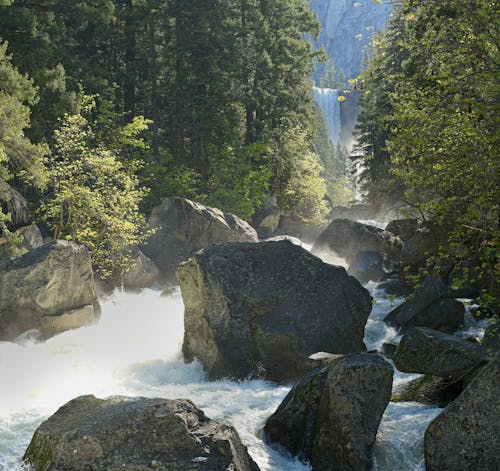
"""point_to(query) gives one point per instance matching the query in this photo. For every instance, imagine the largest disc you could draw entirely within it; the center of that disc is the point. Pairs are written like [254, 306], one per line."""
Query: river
[136, 350]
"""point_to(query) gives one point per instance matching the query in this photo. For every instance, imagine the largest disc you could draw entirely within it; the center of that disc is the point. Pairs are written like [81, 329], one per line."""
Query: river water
[136, 350]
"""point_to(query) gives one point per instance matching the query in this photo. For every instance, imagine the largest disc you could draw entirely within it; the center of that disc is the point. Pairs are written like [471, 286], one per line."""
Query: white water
[136, 350]
[327, 99]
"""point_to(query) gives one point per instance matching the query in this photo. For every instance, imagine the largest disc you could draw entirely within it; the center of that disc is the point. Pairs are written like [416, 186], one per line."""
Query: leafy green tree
[429, 126]
[94, 198]
[21, 161]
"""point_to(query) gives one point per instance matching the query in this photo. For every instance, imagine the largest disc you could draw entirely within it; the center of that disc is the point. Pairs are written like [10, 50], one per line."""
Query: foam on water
[136, 350]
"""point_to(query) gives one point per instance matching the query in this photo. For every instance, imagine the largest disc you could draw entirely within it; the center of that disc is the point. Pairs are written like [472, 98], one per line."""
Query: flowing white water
[327, 99]
[136, 350]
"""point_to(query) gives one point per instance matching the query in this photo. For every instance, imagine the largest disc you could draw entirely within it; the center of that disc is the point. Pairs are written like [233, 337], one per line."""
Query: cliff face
[347, 26]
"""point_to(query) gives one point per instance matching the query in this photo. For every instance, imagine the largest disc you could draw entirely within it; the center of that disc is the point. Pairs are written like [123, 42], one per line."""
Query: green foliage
[304, 196]
[430, 126]
[239, 180]
[330, 78]
[94, 198]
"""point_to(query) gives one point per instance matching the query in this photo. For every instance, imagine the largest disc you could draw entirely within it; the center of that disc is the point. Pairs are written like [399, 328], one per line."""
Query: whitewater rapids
[135, 350]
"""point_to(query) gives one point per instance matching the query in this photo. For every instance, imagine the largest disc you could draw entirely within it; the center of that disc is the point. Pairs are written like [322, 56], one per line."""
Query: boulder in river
[49, 289]
[331, 416]
[347, 238]
[431, 306]
[466, 435]
[405, 229]
[261, 309]
[367, 266]
[182, 227]
[427, 351]
[143, 272]
[135, 434]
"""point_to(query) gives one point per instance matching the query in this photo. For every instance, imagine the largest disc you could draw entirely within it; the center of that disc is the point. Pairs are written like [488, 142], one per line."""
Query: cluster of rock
[259, 310]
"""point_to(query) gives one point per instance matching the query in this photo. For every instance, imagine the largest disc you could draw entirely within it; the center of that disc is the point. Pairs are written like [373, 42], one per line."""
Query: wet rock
[491, 338]
[143, 272]
[389, 349]
[431, 306]
[331, 416]
[430, 390]
[182, 227]
[427, 351]
[367, 266]
[466, 435]
[50, 289]
[135, 434]
[262, 309]
[416, 250]
[347, 238]
[395, 287]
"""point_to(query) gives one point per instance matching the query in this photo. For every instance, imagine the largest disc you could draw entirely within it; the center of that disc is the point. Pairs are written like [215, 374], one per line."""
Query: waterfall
[327, 99]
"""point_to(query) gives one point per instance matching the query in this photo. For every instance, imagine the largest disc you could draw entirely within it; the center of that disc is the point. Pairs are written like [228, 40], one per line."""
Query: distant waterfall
[327, 99]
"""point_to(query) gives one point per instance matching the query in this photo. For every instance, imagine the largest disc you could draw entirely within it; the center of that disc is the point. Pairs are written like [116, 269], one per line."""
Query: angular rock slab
[431, 306]
[427, 351]
[182, 227]
[135, 434]
[261, 309]
[347, 238]
[466, 435]
[50, 289]
[331, 416]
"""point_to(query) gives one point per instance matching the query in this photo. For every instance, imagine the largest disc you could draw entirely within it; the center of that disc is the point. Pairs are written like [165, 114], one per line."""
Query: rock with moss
[331, 416]
[431, 305]
[466, 435]
[182, 227]
[261, 309]
[135, 434]
[427, 351]
[430, 390]
[49, 289]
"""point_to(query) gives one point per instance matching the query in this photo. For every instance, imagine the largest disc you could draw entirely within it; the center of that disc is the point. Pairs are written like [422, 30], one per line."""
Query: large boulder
[182, 227]
[416, 250]
[262, 309]
[427, 351]
[142, 273]
[405, 229]
[431, 306]
[466, 435]
[135, 434]
[331, 416]
[50, 289]
[367, 266]
[267, 219]
[347, 238]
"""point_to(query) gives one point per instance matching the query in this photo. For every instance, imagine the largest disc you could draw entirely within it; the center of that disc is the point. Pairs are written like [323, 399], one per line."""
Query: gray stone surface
[405, 229]
[430, 306]
[50, 289]
[466, 435]
[347, 238]
[182, 227]
[135, 434]
[331, 416]
[427, 351]
[142, 274]
[262, 309]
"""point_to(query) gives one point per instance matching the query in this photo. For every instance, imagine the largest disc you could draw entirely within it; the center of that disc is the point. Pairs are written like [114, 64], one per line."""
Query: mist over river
[135, 350]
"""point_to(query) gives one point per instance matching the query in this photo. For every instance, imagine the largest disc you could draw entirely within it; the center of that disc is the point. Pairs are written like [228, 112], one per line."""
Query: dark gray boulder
[416, 250]
[347, 238]
[431, 306]
[466, 435]
[261, 309]
[405, 229]
[427, 351]
[367, 266]
[331, 416]
[50, 289]
[135, 434]
[182, 227]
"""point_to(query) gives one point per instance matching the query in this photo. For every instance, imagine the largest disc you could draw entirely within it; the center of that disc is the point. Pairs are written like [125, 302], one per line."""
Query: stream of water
[136, 350]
